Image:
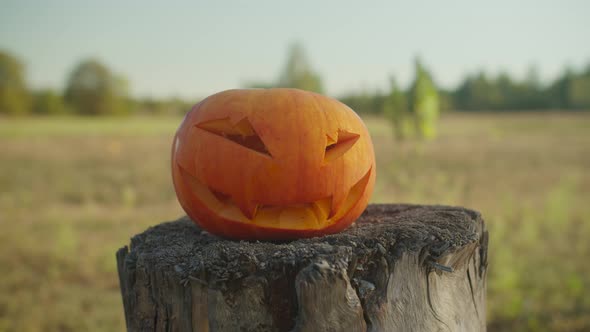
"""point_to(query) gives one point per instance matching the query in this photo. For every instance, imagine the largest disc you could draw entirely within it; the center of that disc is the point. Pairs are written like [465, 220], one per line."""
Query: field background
[74, 190]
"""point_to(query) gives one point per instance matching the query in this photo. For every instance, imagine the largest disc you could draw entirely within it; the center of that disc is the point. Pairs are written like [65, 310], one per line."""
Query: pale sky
[195, 48]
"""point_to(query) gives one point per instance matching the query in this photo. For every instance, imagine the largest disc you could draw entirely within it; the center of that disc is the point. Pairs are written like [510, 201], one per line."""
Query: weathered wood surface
[399, 268]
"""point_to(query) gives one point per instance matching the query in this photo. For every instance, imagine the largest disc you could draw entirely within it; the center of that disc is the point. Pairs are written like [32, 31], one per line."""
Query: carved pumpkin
[272, 164]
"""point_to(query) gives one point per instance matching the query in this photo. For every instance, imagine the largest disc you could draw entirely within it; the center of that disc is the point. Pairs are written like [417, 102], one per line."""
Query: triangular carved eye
[337, 146]
[242, 133]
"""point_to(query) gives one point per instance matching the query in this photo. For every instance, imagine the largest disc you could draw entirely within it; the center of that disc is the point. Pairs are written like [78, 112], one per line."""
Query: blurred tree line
[93, 89]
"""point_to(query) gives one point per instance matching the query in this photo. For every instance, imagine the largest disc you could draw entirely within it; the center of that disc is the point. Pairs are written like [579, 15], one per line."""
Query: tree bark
[398, 268]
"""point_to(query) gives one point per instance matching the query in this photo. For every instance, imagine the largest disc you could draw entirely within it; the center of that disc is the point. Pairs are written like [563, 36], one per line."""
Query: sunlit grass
[42, 127]
[74, 190]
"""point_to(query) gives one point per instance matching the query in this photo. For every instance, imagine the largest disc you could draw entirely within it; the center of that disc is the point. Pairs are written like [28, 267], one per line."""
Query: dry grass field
[74, 190]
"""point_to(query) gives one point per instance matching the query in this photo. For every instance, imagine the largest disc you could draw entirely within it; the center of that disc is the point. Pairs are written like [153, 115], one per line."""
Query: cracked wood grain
[398, 268]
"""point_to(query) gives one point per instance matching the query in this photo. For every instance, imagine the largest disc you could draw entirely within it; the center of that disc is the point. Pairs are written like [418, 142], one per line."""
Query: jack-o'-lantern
[272, 164]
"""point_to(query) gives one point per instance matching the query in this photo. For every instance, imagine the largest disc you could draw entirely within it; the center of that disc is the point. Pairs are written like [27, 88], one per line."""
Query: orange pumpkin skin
[272, 164]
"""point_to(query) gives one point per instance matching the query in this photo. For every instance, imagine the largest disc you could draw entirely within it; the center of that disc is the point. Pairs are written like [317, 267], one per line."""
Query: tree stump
[398, 268]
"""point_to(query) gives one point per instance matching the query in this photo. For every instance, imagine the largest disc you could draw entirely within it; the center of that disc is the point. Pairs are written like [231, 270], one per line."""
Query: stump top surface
[384, 229]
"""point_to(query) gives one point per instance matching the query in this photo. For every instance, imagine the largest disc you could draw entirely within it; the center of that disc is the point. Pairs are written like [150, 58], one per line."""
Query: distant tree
[93, 90]
[177, 105]
[579, 90]
[559, 90]
[478, 92]
[526, 94]
[533, 79]
[365, 102]
[395, 108]
[424, 102]
[14, 98]
[446, 101]
[507, 88]
[298, 73]
[150, 106]
[48, 102]
[258, 85]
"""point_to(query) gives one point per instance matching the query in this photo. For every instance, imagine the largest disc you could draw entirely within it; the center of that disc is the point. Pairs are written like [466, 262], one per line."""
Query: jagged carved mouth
[317, 214]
